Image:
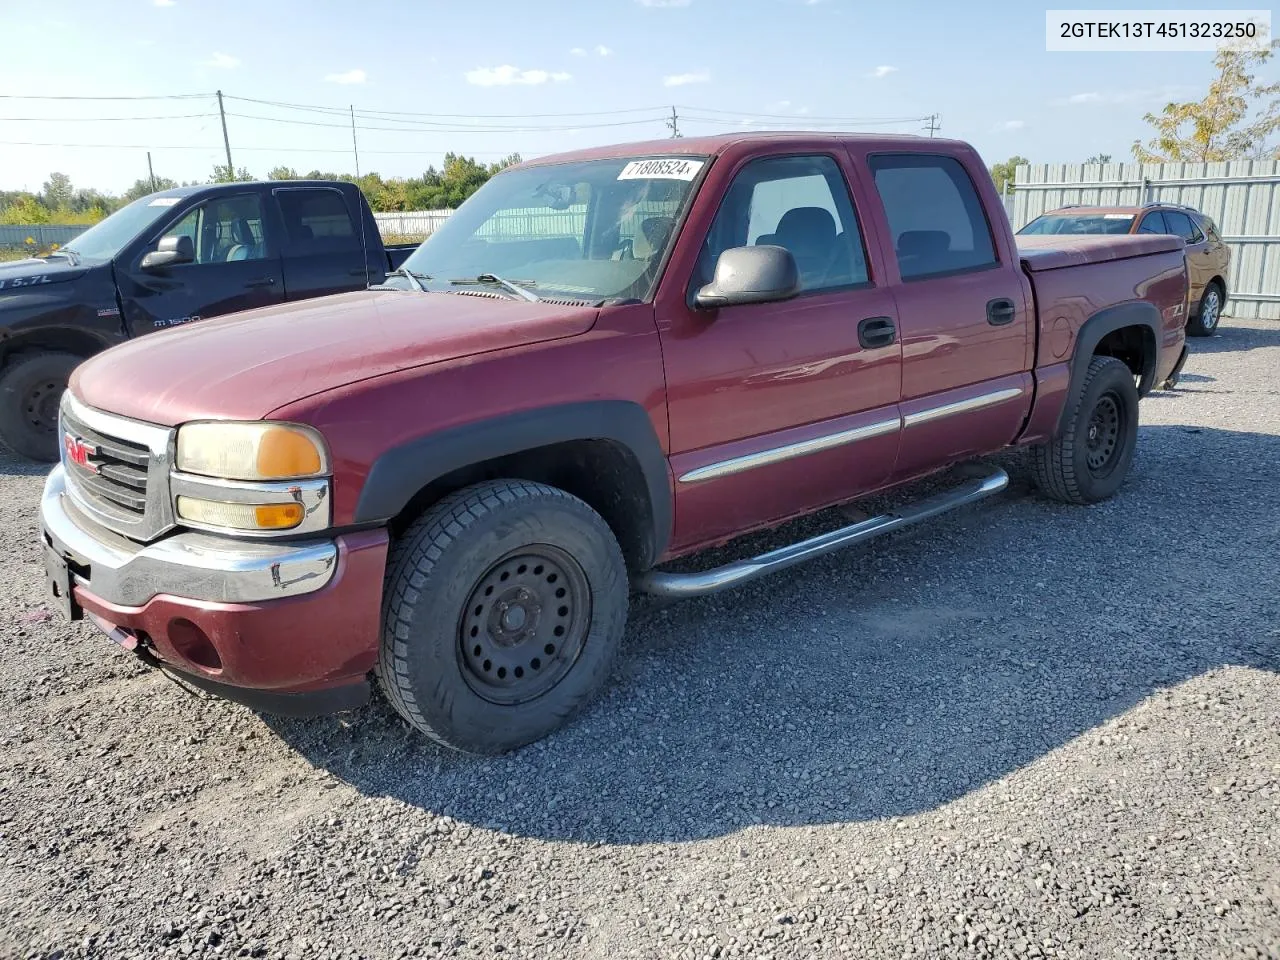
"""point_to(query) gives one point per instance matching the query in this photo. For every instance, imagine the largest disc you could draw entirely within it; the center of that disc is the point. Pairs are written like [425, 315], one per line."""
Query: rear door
[1200, 261]
[236, 267]
[323, 252]
[964, 311]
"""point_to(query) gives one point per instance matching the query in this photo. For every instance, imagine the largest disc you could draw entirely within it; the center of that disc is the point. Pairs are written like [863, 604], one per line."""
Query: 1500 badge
[176, 321]
[24, 281]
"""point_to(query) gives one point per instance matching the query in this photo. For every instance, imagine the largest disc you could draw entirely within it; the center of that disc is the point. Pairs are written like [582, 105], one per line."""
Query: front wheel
[1205, 322]
[31, 387]
[1091, 458]
[504, 606]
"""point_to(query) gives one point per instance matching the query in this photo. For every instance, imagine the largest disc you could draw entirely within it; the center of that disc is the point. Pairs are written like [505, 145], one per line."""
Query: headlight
[251, 451]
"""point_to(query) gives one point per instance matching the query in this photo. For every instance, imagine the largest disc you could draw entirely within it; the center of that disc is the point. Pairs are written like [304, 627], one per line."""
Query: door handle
[261, 282]
[876, 332]
[1000, 311]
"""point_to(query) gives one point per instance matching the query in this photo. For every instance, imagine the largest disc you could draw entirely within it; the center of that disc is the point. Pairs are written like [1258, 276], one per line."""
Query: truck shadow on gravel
[1232, 339]
[884, 681]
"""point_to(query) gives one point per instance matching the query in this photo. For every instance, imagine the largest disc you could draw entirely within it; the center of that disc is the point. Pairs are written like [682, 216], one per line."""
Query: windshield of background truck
[1058, 223]
[108, 237]
[592, 230]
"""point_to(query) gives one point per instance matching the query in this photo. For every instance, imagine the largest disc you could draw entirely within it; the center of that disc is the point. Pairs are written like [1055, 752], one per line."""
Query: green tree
[25, 209]
[1234, 120]
[1099, 158]
[1003, 173]
[223, 174]
[282, 173]
[143, 186]
[58, 192]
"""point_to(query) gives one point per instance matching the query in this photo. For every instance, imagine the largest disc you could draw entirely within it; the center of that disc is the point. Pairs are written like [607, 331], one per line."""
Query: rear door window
[317, 221]
[935, 216]
[1183, 226]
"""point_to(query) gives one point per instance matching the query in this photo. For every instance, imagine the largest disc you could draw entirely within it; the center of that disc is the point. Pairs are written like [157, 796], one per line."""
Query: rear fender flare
[1109, 320]
[397, 476]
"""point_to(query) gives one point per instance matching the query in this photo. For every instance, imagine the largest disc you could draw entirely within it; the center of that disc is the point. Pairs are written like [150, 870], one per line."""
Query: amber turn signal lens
[278, 516]
[285, 453]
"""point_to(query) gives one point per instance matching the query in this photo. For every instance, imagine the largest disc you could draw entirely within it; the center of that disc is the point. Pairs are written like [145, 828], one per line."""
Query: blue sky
[980, 65]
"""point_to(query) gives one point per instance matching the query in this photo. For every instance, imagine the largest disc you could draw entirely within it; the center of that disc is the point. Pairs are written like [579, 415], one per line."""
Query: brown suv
[1207, 255]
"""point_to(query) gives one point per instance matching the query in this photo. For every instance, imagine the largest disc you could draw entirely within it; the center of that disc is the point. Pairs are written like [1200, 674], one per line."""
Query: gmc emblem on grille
[81, 453]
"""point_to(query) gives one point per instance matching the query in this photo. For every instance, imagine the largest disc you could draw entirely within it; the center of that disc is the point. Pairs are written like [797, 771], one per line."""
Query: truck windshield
[106, 238]
[592, 230]
[1080, 223]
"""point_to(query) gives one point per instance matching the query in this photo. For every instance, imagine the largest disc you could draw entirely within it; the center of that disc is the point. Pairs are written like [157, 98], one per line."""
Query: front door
[236, 267]
[779, 408]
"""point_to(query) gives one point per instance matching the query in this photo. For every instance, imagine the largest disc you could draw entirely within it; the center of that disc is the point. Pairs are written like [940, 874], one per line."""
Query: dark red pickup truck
[604, 360]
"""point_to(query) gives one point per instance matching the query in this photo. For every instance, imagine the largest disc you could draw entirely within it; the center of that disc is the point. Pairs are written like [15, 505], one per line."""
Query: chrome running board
[730, 575]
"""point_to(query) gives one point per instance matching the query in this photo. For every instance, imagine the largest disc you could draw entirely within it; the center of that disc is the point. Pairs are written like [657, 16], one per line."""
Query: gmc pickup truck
[603, 361]
[169, 259]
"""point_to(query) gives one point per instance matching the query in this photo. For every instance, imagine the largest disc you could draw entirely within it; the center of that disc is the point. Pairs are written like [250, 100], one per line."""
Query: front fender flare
[400, 473]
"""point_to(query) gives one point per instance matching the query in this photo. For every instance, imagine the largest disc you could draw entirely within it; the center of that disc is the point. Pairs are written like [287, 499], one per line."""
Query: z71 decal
[24, 281]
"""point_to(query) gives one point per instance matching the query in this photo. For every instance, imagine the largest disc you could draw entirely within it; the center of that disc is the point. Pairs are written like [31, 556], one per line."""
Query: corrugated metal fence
[1242, 197]
[37, 236]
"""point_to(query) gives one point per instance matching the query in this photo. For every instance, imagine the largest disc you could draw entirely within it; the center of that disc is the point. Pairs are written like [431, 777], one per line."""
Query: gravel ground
[1027, 730]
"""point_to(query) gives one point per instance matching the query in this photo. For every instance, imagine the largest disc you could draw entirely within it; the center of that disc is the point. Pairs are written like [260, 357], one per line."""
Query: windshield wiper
[71, 255]
[414, 278]
[516, 287]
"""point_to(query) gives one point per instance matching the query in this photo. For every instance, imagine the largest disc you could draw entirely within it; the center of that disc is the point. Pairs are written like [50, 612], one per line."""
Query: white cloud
[349, 77]
[578, 52]
[222, 61]
[165, 3]
[1161, 95]
[664, 3]
[881, 72]
[1007, 125]
[603, 51]
[683, 79]
[506, 75]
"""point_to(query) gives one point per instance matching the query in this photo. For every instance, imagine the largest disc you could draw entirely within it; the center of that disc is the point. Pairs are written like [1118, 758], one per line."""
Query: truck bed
[1051, 252]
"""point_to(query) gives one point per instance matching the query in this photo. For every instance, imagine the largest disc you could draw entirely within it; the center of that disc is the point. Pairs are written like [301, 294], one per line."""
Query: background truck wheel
[1205, 322]
[31, 385]
[504, 606]
[1091, 458]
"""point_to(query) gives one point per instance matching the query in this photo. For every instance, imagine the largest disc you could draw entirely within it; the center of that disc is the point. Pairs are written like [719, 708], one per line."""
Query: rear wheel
[504, 606]
[1205, 322]
[31, 387]
[1091, 458]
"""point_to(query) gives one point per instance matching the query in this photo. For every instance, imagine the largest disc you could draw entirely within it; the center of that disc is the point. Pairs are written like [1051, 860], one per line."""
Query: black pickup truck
[169, 259]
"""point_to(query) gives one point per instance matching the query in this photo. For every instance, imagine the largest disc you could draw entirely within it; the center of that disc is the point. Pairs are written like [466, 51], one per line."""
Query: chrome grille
[117, 469]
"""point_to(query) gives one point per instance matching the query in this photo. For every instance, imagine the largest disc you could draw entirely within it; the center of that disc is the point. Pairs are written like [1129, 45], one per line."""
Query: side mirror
[751, 275]
[169, 252]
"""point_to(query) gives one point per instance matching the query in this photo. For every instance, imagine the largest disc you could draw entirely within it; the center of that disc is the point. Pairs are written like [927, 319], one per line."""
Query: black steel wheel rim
[41, 407]
[524, 625]
[1103, 436]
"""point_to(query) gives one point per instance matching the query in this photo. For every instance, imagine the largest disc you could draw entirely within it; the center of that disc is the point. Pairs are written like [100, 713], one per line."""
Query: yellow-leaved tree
[1234, 121]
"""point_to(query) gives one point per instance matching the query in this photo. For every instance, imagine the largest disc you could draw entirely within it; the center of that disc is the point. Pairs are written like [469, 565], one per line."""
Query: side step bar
[663, 584]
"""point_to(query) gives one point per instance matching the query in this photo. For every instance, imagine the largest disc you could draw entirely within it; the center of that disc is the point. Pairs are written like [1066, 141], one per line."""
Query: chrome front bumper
[198, 566]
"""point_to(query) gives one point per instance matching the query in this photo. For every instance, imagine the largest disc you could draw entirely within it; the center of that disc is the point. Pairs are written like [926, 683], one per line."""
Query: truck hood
[243, 366]
[21, 274]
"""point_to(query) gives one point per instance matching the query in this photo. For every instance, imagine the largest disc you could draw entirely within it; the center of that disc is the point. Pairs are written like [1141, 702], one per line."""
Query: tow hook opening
[194, 645]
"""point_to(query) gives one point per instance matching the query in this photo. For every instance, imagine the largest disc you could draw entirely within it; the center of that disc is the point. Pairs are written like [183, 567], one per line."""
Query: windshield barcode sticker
[164, 202]
[1117, 216]
[672, 169]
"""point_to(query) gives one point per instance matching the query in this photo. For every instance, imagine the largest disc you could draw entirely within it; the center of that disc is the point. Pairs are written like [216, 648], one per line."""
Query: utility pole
[674, 125]
[151, 172]
[226, 141]
[354, 148]
[933, 124]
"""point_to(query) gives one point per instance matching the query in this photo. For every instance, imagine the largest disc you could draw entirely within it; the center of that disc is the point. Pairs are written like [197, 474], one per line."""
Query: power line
[173, 116]
[169, 96]
[525, 128]
[213, 149]
[447, 116]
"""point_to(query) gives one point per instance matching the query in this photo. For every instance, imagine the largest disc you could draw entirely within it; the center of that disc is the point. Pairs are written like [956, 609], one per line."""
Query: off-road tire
[1062, 468]
[31, 385]
[436, 573]
[1209, 313]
